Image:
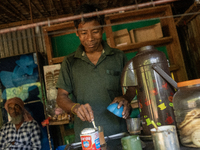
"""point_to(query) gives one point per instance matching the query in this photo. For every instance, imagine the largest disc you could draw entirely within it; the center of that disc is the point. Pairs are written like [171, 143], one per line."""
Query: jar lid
[87, 130]
[189, 82]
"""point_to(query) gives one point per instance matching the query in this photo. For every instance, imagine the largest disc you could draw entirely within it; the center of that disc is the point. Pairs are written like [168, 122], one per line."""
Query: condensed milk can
[90, 139]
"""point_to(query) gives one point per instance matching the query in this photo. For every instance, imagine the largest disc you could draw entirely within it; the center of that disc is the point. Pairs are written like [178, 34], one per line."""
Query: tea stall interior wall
[189, 33]
[21, 42]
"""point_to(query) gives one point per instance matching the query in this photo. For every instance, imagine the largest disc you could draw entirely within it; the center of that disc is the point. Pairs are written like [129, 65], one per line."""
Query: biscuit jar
[186, 103]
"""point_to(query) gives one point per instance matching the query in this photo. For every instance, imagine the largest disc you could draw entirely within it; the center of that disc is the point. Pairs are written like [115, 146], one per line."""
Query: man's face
[90, 35]
[14, 110]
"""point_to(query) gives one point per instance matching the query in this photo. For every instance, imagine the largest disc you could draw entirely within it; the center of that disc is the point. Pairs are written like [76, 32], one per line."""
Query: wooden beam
[174, 49]
[19, 23]
[189, 14]
[23, 5]
[48, 47]
[36, 9]
[109, 33]
[61, 122]
[3, 20]
[59, 27]
[6, 19]
[52, 2]
[135, 46]
[174, 68]
[19, 13]
[43, 6]
[9, 11]
[60, 3]
[133, 13]
[57, 60]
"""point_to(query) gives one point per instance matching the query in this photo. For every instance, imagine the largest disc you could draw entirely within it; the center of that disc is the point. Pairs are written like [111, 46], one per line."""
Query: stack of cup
[165, 138]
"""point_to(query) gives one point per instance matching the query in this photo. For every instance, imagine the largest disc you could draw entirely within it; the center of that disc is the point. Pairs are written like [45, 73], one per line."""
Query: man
[22, 132]
[91, 78]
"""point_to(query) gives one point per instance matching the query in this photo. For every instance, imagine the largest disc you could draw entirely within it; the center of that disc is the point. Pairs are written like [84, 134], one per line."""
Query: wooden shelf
[173, 68]
[130, 48]
[135, 13]
[57, 60]
[135, 46]
[58, 122]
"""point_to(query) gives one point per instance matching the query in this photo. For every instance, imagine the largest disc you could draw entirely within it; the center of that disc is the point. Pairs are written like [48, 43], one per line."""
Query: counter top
[148, 145]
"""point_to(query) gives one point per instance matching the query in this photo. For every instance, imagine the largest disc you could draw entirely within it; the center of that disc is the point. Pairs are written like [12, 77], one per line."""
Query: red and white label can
[90, 139]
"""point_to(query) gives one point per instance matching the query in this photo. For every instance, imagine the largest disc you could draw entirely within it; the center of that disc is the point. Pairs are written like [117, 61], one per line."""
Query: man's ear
[76, 31]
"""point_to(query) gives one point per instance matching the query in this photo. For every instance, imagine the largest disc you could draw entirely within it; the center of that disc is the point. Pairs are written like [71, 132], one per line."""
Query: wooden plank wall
[21, 42]
[191, 42]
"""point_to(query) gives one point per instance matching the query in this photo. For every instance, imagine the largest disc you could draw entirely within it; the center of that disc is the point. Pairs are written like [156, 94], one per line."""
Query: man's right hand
[84, 112]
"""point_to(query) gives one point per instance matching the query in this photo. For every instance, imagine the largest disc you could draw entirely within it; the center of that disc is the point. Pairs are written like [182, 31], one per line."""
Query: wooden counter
[149, 146]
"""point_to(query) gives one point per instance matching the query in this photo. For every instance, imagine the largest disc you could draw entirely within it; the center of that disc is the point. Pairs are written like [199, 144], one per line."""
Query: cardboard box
[132, 36]
[121, 37]
[148, 33]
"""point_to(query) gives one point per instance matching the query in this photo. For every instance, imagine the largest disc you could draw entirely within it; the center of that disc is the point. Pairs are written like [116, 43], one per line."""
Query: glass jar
[187, 112]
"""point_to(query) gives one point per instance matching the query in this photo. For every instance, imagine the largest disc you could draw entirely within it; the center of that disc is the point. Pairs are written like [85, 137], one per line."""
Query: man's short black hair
[88, 8]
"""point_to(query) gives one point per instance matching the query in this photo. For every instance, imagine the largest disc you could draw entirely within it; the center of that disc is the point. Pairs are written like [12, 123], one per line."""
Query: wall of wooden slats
[21, 42]
[190, 35]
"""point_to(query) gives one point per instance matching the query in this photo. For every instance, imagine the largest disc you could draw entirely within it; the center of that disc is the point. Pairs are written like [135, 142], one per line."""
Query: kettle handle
[165, 75]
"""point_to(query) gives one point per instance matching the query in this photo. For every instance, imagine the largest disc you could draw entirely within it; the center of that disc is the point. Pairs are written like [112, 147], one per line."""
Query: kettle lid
[145, 48]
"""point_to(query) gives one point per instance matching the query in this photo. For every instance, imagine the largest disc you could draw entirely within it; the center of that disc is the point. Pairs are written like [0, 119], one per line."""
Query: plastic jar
[187, 112]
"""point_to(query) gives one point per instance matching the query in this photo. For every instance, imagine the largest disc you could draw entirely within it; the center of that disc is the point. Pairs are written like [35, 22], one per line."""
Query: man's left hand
[122, 101]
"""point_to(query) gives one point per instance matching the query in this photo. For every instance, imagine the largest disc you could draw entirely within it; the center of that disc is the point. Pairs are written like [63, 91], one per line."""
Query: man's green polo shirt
[97, 85]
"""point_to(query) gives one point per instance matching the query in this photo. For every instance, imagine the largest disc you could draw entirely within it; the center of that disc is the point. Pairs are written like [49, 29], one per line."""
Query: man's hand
[122, 101]
[84, 112]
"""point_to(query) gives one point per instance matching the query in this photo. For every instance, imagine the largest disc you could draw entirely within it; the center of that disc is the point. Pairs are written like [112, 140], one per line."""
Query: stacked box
[146, 33]
[121, 37]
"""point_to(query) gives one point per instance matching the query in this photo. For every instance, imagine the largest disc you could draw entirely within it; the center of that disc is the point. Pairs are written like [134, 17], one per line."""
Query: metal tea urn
[149, 72]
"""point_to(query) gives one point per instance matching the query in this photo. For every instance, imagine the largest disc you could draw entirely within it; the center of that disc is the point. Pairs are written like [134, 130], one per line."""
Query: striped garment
[27, 137]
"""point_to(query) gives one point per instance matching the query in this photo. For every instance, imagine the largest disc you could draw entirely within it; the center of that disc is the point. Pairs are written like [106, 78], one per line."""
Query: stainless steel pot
[149, 72]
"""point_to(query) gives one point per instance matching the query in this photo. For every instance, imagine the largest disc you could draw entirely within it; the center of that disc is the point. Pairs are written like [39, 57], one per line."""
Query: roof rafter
[43, 6]
[23, 4]
[6, 18]
[53, 4]
[60, 3]
[3, 20]
[10, 11]
[36, 9]
[13, 7]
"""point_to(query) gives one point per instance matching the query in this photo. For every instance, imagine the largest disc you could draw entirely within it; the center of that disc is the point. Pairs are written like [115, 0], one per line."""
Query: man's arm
[84, 112]
[125, 100]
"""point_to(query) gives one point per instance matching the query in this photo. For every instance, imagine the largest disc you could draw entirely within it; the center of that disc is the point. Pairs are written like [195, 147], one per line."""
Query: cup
[131, 143]
[165, 138]
[133, 125]
[101, 135]
[115, 110]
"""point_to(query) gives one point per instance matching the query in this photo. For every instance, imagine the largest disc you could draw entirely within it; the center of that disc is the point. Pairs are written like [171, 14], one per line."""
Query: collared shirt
[97, 85]
[27, 137]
